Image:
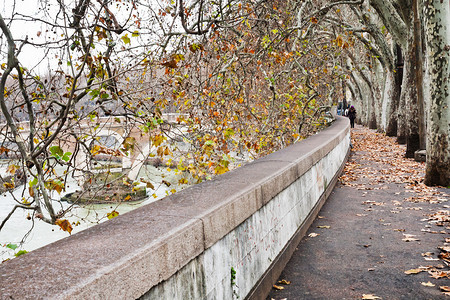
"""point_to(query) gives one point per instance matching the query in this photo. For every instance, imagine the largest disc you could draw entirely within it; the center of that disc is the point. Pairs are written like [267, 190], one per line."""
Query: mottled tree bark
[418, 73]
[437, 34]
[409, 92]
[392, 123]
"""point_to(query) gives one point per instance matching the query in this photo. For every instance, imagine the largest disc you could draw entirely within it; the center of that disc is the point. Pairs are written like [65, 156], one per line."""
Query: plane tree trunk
[437, 38]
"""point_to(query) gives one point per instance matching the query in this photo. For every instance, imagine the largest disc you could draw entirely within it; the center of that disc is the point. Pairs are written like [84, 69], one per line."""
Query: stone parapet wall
[187, 245]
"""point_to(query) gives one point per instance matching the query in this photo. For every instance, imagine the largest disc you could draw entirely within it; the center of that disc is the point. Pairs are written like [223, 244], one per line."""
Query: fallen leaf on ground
[370, 297]
[438, 274]
[312, 234]
[445, 248]
[324, 226]
[445, 288]
[409, 238]
[277, 287]
[414, 271]
[284, 281]
[429, 283]
[445, 257]
[431, 258]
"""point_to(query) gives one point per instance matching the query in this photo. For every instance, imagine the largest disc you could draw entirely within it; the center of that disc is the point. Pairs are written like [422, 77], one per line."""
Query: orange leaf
[170, 64]
[277, 287]
[64, 225]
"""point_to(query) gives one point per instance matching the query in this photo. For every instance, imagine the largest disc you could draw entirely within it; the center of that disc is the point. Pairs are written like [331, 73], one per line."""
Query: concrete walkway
[379, 222]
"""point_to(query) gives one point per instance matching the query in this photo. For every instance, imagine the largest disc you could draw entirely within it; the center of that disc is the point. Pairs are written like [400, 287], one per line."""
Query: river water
[35, 233]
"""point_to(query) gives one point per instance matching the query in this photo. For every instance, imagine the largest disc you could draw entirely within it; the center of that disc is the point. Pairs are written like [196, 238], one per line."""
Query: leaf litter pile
[393, 168]
[377, 165]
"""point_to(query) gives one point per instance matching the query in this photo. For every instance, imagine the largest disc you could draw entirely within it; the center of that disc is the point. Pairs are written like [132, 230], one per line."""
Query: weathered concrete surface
[190, 240]
[253, 246]
[363, 252]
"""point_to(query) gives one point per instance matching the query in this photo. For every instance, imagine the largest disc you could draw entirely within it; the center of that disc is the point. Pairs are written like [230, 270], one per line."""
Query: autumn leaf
[172, 63]
[129, 143]
[313, 234]
[414, 271]
[445, 256]
[445, 248]
[183, 181]
[64, 225]
[430, 284]
[445, 288]
[31, 191]
[157, 140]
[4, 150]
[194, 47]
[148, 184]
[438, 274]
[12, 169]
[339, 41]
[126, 39]
[277, 287]
[112, 214]
[284, 281]
[8, 185]
[369, 297]
[127, 198]
[409, 238]
[324, 226]
[431, 259]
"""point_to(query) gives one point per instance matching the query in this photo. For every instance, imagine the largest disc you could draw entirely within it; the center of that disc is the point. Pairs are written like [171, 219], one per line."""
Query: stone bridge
[110, 133]
[228, 238]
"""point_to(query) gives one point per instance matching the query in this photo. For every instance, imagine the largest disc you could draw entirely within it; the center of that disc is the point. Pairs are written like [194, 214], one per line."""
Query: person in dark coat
[352, 116]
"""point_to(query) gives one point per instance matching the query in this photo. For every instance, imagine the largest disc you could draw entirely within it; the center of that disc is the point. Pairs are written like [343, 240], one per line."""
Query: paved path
[379, 222]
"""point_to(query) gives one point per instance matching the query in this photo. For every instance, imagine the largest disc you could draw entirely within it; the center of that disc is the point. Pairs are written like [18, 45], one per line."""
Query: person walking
[352, 116]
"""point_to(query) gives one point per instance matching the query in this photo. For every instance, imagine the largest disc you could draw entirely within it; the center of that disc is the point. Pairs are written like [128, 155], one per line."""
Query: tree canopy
[241, 78]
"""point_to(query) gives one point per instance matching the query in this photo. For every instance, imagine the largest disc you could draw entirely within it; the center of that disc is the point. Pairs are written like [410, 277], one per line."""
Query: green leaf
[56, 151]
[66, 156]
[21, 252]
[33, 182]
[11, 246]
[94, 93]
